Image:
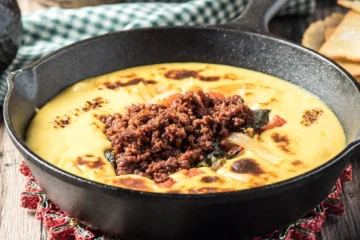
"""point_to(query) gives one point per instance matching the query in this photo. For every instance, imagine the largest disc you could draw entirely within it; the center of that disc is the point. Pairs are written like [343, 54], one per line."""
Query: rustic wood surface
[19, 224]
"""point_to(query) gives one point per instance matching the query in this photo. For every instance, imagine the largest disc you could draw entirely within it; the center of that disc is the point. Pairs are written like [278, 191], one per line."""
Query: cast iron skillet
[246, 43]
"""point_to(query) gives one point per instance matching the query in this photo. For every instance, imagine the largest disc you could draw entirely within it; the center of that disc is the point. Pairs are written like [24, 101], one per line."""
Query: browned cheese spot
[271, 101]
[282, 141]
[209, 179]
[209, 190]
[272, 174]
[231, 76]
[296, 163]
[98, 163]
[95, 125]
[167, 184]
[130, 75]
[174, 191]
[311, 116]
[133, 183]
[255, 184]
[65, 120]
[134, 81]
[192, 172]
[209, 78]
[250, 85]
[180, 74]
[93, 104]
[247, 166]
[61, 122]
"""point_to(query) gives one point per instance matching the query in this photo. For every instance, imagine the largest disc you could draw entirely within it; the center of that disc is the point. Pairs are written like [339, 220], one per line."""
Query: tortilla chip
[344, 42]
[327, 28]
[315, 36]
[333, 20]
[352, 67]
[328, 32]
[354, 5]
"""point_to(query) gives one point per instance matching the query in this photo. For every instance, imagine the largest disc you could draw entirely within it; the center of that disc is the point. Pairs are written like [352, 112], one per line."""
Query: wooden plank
[15, 222]
[346, 227]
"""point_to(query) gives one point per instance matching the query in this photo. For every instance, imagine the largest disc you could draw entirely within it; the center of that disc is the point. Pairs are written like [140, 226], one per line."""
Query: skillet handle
[256, 16]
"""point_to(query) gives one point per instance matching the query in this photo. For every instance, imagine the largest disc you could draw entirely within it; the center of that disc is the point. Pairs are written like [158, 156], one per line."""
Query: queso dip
[68, 133]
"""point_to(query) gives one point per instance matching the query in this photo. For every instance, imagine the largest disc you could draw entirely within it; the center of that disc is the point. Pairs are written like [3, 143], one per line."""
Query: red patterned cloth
[62, 227]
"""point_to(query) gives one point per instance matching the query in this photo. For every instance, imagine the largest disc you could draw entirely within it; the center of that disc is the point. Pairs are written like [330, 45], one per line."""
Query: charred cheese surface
[68, 133]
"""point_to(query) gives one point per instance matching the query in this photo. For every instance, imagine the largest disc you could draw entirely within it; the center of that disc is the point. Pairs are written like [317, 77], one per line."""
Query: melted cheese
[67, 133]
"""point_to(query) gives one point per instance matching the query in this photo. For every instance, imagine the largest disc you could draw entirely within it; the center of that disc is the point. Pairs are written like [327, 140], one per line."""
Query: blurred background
[30, 5]
[291, 27]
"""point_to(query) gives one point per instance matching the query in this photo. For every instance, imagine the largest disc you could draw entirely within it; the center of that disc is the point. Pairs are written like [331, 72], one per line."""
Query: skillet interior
[46, 78]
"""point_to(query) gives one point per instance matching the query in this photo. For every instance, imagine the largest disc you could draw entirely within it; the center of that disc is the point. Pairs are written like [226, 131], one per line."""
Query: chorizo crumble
[153, 140]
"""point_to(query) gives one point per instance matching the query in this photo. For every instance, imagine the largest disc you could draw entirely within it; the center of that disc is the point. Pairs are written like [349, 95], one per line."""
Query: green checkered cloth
[47, 30]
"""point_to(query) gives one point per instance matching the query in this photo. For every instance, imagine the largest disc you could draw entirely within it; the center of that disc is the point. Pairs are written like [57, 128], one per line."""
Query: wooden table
[19, 224]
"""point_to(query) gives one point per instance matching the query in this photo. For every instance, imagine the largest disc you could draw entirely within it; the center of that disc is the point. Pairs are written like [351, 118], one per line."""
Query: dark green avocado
[10, 31]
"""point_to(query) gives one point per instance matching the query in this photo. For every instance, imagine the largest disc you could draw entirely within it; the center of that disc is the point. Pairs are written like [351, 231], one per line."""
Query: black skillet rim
[113, 190]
